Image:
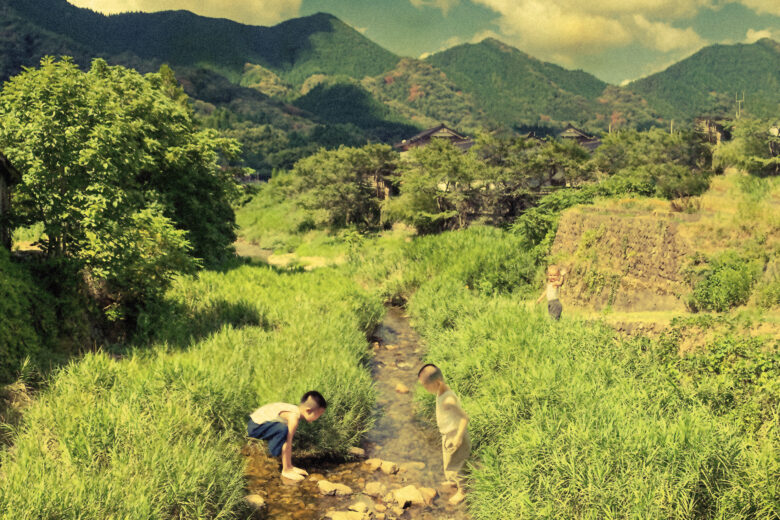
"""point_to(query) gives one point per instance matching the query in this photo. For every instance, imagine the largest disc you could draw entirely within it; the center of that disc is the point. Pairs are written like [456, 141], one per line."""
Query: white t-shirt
[270, 412]
[447, 419]
[552, 292]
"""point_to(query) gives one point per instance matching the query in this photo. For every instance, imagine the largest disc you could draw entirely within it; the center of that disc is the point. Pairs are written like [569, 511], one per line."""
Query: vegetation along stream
[400, 451]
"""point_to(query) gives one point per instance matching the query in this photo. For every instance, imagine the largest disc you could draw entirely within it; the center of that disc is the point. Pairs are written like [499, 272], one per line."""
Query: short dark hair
[316, 397]
[426, 366]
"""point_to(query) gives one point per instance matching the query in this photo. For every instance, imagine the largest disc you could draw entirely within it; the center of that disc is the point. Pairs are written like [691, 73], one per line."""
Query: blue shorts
[273, 431]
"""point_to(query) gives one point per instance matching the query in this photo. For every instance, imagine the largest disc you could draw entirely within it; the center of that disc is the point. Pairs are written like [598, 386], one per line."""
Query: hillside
[296, 49]
[708, 81]
[512, 86]
[426, 96]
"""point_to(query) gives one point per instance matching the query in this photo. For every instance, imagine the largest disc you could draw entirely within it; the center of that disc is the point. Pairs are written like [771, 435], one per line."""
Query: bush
[725, 282]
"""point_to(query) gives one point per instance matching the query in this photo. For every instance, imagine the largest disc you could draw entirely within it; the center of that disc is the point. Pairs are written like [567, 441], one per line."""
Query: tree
[755, 147]
[115, 168]
[344, 187]
[439, 186]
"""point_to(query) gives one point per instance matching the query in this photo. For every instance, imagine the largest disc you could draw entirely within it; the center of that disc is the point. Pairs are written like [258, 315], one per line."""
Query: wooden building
[8, 178]
[438, 132]
[582, 138]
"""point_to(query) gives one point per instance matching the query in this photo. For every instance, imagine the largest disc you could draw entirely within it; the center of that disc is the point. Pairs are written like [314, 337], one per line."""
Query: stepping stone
[401, 388]
[331, 488]
[373, 464]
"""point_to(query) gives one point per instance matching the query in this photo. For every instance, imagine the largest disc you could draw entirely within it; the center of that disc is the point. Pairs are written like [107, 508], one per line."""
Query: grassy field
[571, 421]
[157, 433]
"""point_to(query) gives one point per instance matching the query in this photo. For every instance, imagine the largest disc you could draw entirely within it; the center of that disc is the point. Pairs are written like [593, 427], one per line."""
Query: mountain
[294, 50]
[513, 87]
[708, 82]
[425, 95]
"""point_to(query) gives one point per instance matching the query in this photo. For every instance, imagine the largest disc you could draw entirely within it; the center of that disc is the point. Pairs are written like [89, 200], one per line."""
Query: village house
[8, 178]
[582, 138]
[438, 132]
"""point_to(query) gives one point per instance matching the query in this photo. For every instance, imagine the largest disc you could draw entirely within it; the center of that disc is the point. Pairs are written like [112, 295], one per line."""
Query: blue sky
[616, 40]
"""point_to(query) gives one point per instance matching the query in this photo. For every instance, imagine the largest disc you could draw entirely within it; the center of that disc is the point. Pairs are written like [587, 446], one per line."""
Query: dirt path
[409, 448]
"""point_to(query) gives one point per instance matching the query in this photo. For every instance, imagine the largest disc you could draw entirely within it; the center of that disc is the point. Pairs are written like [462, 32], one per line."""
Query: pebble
[391, 347]
[403, 364]
[428, 494]
[373, 464]
[380, 508]
[255, 502]
[316, 477]
[401, 388]
[346, 515]
[389, 468]
[408, 496]
[358, 507]
[375, 489]
[357, 452]
[330, 488]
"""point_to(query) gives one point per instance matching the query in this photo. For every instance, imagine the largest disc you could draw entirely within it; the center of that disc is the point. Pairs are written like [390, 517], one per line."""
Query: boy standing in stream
[452, 422]
[277, 423]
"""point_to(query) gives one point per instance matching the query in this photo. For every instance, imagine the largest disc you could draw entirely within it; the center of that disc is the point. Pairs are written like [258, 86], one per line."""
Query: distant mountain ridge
[319, 64]
[708, 82]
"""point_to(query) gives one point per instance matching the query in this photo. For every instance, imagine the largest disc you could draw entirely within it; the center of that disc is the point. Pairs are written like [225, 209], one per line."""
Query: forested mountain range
[315, 81]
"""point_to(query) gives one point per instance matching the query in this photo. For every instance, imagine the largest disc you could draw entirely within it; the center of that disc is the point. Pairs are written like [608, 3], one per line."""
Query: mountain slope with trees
[708, 82]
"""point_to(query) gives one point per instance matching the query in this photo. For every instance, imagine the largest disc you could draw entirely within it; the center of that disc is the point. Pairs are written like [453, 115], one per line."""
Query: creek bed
[398, 436]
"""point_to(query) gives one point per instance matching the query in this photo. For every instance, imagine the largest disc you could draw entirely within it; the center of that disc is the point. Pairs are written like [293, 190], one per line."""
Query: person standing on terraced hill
[452, 422]
[277, 422]
[555, 278]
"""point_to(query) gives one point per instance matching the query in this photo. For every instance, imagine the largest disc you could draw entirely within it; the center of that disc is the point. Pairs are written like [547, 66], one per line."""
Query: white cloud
[663, 37]
[444, 5]
[257, 12]
[753, 35]
[763, 6]
[561, 30]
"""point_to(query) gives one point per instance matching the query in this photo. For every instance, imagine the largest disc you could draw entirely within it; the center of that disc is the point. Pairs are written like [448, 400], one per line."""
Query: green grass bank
[157, 434]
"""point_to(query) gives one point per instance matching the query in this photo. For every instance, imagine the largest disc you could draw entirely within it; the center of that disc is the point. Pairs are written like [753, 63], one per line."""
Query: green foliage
[755, 147]
[725, 281]
[570, 421]
[438, 187]
[155, 435]
[112, 165]
[656, 162]
[343, 187]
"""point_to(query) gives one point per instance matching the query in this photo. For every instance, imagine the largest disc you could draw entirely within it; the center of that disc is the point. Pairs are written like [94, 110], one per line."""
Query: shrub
[725, 282]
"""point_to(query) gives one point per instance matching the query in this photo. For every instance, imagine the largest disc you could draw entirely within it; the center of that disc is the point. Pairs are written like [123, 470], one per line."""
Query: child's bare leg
[288, 470]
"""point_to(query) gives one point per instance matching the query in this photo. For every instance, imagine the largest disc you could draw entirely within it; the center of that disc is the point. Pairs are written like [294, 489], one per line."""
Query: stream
[398, 436]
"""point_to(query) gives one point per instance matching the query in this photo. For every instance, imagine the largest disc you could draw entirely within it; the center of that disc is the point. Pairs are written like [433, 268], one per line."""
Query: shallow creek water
[398, 436]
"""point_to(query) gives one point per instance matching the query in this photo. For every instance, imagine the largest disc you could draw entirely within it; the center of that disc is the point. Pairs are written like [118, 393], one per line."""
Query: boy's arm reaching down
[288, 470]
[451, 405]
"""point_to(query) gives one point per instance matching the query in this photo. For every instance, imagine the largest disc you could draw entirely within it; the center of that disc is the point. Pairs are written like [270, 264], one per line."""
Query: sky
[616, 40]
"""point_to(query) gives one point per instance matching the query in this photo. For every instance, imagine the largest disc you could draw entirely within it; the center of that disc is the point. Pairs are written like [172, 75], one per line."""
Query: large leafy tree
[344, 187]
[115, 168]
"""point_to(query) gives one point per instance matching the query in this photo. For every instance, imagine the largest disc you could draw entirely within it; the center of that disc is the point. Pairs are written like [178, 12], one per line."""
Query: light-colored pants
[453, 462]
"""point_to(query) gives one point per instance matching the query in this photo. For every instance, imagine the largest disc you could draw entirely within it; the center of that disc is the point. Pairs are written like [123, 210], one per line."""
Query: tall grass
[157, 435]
[570, 421]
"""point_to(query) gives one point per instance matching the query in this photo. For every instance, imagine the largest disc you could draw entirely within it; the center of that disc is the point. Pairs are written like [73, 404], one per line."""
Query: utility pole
[739, 103]
[671, 127]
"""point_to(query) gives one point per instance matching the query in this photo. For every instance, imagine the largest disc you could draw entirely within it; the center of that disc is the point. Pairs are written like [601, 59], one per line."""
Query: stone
[357, 452]
[403, 364]
[380, 516]
[316, 477]
[331, 488]
[375, 489]
[346, 515]
[358, 507]
[389, 468]
[391, 347]
[408, 496]
[380, 508]
[398, 510]
[373, 464]
[256, 502]
[428, 494]
[401, 388]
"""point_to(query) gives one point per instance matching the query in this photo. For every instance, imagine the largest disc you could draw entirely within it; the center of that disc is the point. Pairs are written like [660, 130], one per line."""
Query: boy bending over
[277, 422]
[452, 422]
